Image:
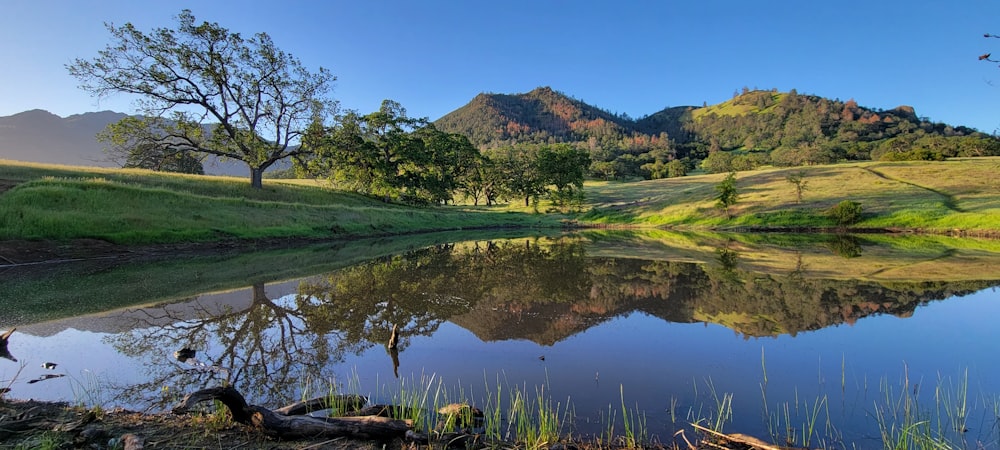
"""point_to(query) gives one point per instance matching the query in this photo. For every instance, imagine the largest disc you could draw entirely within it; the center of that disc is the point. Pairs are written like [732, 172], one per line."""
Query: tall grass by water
[522, 416]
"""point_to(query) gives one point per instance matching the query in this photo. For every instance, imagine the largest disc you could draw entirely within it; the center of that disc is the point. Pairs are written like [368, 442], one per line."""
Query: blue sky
[633, 57]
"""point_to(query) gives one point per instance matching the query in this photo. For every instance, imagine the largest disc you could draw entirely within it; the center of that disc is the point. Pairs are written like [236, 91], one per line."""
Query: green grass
[903, 423]
[932, 196]
[731, 108]
[143, 207]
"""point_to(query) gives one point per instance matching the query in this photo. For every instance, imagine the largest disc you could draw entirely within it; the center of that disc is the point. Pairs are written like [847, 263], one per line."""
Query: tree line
[387, 154]
[204, 90]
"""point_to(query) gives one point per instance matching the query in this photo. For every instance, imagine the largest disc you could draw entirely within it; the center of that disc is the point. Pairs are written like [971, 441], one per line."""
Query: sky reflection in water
[603, 348]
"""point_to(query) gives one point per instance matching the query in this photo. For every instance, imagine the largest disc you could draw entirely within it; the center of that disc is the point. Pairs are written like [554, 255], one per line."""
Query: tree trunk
[257, 177]
[292, 427]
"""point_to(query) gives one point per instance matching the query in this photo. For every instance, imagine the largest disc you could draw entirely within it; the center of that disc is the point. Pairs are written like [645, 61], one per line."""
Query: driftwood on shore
[346, 403]
[740, 439]
[296, 426]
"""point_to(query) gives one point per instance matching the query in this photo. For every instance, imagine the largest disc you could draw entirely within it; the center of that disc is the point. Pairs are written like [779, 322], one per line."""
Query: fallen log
[374, 410]
[344, 404]
[390, 411]
[293, 427]
[743, 439]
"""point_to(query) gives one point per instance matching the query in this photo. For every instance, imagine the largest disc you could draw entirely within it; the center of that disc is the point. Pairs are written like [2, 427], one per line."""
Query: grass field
[932, 196]
[141, 207]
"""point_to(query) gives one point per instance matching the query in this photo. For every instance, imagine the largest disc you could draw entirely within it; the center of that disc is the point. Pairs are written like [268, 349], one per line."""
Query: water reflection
[262, 348]
[536, 289]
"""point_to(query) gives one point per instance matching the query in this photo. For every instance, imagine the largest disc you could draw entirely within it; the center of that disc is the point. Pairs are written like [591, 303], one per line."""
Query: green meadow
[143, 207]
[960, 194]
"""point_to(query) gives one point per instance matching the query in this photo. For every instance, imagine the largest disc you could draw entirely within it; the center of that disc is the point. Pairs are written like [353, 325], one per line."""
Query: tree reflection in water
[537, 289]
[262, 349]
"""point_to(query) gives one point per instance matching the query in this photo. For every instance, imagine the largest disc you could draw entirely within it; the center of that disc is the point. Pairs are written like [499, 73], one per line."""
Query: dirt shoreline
[35, 424]
[58, 425]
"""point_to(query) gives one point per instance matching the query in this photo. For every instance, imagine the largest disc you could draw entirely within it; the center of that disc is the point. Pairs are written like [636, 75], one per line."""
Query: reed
[722, 411]
[952, 398]
[89, 391]
[903, 424]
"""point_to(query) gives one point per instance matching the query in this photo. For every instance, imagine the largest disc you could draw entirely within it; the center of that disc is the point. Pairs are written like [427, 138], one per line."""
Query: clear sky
[625, 56]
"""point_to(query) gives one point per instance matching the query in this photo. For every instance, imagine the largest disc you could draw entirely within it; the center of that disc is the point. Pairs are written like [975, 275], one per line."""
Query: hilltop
[753, 129]
[536, 116]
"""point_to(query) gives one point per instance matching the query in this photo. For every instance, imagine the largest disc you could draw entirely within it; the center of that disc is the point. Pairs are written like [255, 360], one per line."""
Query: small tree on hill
[799, 182]
[727, 194]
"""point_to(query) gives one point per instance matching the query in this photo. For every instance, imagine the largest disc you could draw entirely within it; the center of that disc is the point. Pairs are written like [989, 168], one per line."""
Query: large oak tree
[254, 100]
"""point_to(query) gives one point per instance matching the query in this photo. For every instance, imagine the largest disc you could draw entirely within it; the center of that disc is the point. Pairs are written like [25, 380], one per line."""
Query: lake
[812, 340]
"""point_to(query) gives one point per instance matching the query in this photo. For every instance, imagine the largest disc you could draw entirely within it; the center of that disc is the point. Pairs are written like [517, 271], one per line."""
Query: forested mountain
[539, 116]
[753, 128]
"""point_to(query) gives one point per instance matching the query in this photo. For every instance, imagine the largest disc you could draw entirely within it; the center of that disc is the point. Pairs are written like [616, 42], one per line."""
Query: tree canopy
[390, 155]
[132, 143]
[254, 100]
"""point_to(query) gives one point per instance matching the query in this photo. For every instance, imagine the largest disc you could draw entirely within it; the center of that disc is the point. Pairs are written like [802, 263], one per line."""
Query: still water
[813, 341]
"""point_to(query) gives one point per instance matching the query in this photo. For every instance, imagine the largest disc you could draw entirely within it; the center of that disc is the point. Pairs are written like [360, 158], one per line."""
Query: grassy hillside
[739, 106]
[137, 206]
[935, 196]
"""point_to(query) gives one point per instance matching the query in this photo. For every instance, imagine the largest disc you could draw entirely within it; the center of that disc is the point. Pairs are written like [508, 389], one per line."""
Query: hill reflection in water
[590, 317]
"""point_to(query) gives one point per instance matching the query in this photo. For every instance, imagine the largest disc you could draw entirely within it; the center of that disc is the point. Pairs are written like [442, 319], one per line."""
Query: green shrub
[846, 212]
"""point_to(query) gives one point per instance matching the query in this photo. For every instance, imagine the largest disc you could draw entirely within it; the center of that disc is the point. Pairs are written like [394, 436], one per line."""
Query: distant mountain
[40, 136]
